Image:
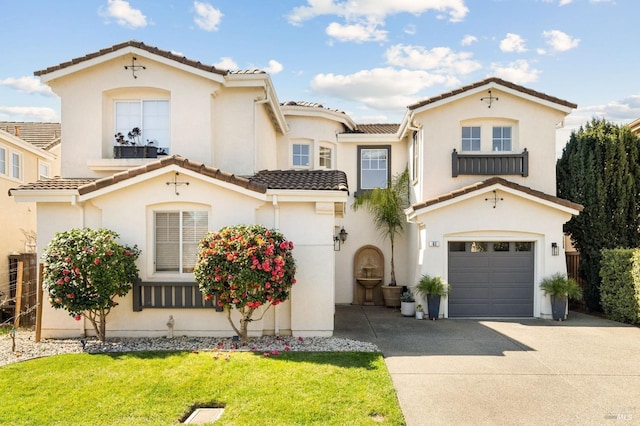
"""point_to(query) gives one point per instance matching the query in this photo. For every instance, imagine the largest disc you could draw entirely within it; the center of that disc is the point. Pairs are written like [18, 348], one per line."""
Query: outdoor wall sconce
[555, 250]
[339, 239]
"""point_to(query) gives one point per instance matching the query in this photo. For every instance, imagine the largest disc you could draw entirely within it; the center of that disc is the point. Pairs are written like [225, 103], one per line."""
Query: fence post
[18, 308]
[39, 305]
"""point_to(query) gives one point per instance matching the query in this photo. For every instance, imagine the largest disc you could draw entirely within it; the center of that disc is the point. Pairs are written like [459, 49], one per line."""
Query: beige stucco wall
[534, 128]
[515, 218]
[310, 311]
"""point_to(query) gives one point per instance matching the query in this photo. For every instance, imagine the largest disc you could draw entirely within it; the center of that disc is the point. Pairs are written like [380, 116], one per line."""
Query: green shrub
[620, 288]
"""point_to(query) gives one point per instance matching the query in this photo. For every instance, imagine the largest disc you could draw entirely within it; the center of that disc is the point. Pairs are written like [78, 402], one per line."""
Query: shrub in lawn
[85, 269]
[620, 288]
[246, 267]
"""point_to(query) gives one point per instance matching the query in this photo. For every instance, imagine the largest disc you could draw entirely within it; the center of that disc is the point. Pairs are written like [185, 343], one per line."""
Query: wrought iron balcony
[490, 164]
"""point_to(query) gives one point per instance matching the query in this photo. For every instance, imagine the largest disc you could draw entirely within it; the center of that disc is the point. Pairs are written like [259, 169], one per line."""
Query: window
[177, 234]
[415, 157]
[16, 166]
[300, 155]
[501, 139]
[152, 117]
[373, 170]
[3, 161]
[325, 157]
[471, 138]
[43, 170]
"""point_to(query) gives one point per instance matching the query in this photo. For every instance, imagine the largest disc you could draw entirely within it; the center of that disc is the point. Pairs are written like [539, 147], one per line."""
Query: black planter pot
[135, 152]
[559, 307]
[433, 304]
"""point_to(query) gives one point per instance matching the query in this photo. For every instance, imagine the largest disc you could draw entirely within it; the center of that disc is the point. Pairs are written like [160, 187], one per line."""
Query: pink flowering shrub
[245, 267]
[85, 269]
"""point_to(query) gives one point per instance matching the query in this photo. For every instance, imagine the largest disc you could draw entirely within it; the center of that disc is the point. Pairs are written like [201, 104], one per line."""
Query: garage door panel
[491, 284]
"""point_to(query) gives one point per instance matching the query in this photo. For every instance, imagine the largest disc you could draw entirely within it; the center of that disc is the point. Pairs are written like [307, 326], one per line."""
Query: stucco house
[27, 153]
[484, 214]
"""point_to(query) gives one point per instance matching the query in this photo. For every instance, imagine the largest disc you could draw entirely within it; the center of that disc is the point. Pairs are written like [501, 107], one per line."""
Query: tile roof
[497, 81]
[310, 105]
[287, 179]
[40, 134]
[314, 180]
[379, 128]
[492, 181]
[137, 44]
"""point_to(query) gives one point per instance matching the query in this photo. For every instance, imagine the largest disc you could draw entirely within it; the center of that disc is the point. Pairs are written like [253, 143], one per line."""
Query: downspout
[80, 206]
[256, 102]
[276, 225]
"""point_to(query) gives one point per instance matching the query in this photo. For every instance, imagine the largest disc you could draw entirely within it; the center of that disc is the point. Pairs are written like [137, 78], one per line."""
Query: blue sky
[369, 58]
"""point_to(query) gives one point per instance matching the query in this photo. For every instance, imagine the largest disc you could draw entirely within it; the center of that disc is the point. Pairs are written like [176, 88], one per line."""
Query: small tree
[245, 267]
[85, 269]
[387, 206]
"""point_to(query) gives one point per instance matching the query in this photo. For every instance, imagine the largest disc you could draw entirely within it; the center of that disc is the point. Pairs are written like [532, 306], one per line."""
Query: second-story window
[415, 155]
[326, 155]
[301, 155]
[16, 165]
[374, 168]
[471, 138]
[501, 138]
[3, 161]
[151, 116]
[43, 170]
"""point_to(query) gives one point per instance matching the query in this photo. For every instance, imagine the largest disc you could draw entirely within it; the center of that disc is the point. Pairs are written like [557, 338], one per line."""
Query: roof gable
[494, 82]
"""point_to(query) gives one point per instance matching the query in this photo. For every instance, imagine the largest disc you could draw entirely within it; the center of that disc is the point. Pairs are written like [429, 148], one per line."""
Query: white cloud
[28, 85]
[513, 43]
[559, 41]
[379, 88]
[357, 32]
[124, 15]
[468, 40]
[226, 63]
[438, 59]
[28, 114]
[274, 67]
[207, 17]
[410, 29]
[518, 72]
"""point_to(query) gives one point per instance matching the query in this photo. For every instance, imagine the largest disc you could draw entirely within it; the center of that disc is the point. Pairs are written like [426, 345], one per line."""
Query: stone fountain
[368, 274]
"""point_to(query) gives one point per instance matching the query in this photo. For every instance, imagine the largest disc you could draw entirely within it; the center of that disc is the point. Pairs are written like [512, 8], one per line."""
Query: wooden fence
[573, 267]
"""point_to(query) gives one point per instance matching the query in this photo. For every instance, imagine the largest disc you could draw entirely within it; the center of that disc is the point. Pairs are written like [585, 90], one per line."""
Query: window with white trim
[177, 234]
[3, 161]
[152, 117]
[43, 170]
[325, 157]
[415, 164]
[373, 168]
[471, 138]
[501, 138]
[301, 154]
[16, 165]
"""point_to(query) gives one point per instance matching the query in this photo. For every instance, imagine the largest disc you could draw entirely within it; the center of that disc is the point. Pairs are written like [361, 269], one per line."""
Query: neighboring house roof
[635, 126]
[493, 181]
[132, 43]
[309, 180]
[498, 81]
[43, 135]
[310, 105]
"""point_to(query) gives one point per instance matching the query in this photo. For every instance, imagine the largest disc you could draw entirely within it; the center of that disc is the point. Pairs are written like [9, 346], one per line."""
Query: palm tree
[387, 206]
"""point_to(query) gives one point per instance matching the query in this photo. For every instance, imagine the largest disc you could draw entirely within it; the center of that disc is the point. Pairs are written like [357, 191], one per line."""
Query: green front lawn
[159, 388]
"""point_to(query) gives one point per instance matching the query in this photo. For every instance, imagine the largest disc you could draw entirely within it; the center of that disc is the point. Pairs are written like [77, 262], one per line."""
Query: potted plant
[559, 287]
[407, 304]
[387, 206]
[132, 146]
[432, 288]
[419, 312]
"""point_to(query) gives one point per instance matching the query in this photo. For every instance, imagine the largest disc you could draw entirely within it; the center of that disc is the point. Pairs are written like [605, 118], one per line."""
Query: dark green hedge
[620, 286]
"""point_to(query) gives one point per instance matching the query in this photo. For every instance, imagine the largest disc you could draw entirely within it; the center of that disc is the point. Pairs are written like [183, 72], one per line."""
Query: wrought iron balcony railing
[490, 164]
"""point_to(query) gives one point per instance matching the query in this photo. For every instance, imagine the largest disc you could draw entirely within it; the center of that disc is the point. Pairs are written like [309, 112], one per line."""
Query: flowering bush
[85, 269]
[245, 267]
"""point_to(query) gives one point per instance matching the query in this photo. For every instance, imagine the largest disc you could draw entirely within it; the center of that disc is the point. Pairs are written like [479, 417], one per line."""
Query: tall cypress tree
[599, 169]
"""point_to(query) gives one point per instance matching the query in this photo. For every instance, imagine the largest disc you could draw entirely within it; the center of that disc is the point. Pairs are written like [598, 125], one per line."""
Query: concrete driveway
[583, 371]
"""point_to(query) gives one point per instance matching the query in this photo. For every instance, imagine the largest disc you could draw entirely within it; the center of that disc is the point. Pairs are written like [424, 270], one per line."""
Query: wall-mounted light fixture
[339, 239]
[555, 250]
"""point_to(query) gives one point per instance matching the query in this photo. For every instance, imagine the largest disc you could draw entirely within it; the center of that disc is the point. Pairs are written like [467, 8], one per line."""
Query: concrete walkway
[583, 371]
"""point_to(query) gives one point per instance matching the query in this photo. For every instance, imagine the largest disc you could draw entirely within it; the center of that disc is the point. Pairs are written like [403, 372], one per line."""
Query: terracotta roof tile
[497, 81]
[380, 128]
[39, 134]
[492, 181]
[132, 43]
[310, 105]
[320, 180]
[288, 179]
